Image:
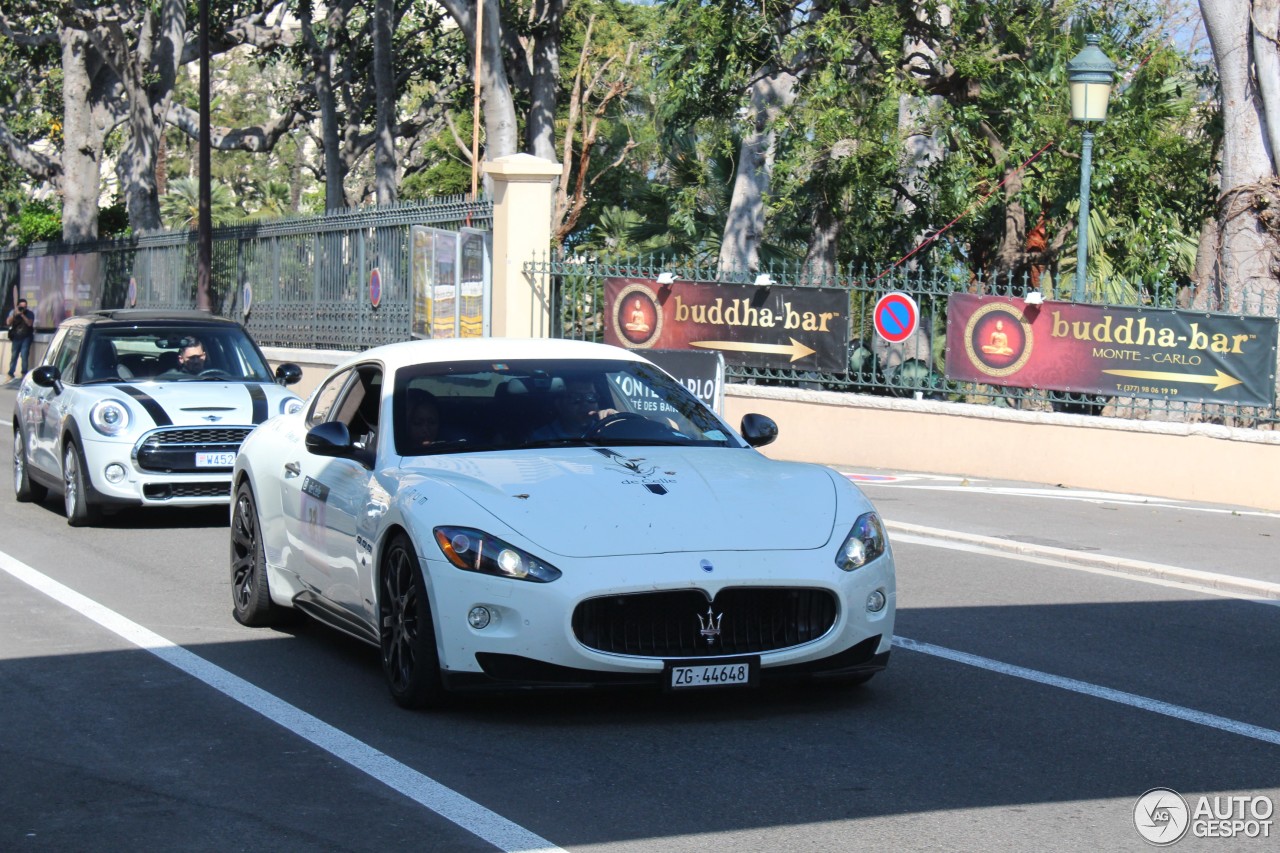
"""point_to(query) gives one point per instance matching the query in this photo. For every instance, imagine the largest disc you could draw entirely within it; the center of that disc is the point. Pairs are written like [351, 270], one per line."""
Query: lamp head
[1091, 74]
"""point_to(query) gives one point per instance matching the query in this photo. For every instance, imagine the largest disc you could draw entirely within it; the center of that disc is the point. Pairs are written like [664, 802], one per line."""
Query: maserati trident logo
[709, 627]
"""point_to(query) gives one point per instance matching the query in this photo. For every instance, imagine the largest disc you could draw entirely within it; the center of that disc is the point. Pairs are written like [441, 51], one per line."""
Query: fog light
[875, 602]
[115, 472]
[478, 617]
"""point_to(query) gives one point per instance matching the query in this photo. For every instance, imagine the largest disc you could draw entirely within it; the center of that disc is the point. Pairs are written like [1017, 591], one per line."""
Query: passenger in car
[423, 424]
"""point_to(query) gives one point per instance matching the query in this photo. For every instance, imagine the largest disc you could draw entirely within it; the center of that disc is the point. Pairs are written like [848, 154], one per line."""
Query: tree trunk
[744, 227]
[499, 106]
[824, 240]
[82, 139]
[1248, 72]
[545, 84]
[384, 156]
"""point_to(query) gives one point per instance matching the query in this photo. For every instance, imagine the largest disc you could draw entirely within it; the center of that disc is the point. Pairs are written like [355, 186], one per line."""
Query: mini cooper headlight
[290, 405]
[109, 417]
[477, 551]
[865, 542]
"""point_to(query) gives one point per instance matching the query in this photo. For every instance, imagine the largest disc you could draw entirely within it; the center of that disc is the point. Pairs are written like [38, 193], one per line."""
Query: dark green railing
[307, 277]
[874, 367]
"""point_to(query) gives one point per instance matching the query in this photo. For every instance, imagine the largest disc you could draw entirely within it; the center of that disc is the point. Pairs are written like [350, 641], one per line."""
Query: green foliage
[37, 221]
[180, 206]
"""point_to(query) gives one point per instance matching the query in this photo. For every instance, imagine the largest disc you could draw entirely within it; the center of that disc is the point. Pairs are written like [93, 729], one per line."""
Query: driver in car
[191, 357]
[577, 411]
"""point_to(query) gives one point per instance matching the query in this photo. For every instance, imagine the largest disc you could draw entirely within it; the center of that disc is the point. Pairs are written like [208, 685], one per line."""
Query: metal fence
[306, 280]
[873, 366]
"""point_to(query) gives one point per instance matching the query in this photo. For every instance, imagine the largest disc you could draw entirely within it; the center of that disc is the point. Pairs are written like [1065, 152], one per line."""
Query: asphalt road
[1029, 703]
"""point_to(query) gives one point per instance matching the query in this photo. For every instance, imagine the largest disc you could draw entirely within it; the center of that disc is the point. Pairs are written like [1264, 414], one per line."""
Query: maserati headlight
[109, 417]
[477, 551]
[865, 542]
[289, 405]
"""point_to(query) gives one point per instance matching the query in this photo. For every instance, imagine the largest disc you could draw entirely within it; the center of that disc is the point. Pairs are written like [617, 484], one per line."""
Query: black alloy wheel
[406, 633]
[250, 592]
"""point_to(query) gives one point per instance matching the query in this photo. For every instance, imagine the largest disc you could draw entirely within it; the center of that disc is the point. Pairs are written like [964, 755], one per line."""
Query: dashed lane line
[1133, 700]
[1194, 580]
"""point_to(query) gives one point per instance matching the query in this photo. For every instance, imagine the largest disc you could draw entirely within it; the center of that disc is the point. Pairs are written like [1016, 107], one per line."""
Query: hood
[580, 502]
[202, 403]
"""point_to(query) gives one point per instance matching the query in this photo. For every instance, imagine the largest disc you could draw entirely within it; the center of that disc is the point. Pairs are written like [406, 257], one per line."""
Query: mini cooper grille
[198, 435]
[172, 451]
[670, 624]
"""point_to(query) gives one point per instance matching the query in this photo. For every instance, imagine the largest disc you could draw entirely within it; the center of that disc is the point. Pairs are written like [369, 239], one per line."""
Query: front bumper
[150, 488]
[531, 640]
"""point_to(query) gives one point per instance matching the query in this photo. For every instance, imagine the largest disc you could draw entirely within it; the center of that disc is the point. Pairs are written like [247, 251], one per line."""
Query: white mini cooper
[136, 407]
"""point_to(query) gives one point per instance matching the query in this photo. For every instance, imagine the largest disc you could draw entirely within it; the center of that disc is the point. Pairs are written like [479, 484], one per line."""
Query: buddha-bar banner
[1112, 350]
[803, 328]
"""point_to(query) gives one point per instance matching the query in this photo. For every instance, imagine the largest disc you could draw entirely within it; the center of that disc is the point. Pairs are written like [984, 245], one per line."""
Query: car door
[328, 497]
[50, 406]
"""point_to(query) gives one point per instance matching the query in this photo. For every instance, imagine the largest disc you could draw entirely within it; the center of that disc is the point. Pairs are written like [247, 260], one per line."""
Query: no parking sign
[896, 317]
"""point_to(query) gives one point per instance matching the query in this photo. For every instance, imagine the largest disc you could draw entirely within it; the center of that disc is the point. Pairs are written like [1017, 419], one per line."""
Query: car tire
[406, 632]
[250, 590]
[23, 488]
[75, 487]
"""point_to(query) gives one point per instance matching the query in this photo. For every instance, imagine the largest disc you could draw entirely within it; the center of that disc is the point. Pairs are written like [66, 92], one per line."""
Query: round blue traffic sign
[896, 317]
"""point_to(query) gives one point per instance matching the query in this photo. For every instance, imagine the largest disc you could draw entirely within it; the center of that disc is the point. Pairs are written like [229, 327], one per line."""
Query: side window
[326, 397]
[65, 358]
[358, 407]
[55, 346]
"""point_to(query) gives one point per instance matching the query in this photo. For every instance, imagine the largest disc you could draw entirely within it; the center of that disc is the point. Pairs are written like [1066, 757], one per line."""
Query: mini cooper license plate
[224, 459]
[724, 672]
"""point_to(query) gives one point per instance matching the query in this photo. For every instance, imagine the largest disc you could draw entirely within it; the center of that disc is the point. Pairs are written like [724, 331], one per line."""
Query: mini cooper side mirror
[331, 438]
[48, 376]
[288, 373]
[758, 430]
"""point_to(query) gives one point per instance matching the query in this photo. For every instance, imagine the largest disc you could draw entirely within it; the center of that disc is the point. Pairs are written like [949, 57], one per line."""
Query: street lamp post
[1091, 74]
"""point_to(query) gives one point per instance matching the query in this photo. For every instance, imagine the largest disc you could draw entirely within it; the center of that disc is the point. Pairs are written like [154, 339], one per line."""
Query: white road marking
[425, 791]
[1151, 572]
[1155, 706]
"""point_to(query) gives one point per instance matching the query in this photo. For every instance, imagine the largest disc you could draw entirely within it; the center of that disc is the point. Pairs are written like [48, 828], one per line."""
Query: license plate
[223, 459]
[734, 672]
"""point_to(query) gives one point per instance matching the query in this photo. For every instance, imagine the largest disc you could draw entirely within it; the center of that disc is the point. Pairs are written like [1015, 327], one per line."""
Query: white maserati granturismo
[511, 513]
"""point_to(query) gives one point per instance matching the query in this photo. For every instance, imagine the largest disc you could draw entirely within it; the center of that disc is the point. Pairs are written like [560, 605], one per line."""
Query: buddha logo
[637, 317]
[998, 339]
[1161, 816]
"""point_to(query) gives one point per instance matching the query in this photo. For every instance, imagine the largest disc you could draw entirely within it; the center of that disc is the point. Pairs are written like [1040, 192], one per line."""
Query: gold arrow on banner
[1219, 381]
[795, 349]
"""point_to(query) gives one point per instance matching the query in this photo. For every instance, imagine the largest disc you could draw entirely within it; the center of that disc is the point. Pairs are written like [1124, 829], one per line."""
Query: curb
[1210, 580]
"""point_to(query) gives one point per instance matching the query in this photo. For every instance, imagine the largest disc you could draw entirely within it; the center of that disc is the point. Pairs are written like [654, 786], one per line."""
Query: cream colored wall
[1186, 461]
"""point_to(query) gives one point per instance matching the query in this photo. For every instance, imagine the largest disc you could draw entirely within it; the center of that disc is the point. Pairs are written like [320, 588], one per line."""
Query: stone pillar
[522, 206]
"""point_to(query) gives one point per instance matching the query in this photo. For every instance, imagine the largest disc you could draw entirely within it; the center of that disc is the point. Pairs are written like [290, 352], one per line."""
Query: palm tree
[180, 206]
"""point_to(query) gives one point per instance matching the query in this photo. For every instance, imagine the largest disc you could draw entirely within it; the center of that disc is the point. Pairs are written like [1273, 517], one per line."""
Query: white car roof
[395, 356]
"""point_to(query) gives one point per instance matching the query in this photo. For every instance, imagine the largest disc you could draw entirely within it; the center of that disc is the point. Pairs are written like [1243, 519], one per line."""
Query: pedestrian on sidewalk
[21, 324]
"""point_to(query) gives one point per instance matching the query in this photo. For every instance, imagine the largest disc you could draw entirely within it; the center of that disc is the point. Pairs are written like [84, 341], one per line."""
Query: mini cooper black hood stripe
[154, 409]
[259, 403]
